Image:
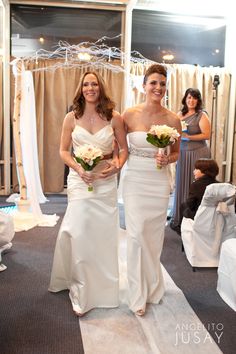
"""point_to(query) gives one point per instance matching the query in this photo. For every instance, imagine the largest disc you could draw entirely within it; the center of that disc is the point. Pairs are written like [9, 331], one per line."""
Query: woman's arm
[65, 148]
[65, 144]
[120, 135]
[120, 138]
[173, 156]
[205, 127]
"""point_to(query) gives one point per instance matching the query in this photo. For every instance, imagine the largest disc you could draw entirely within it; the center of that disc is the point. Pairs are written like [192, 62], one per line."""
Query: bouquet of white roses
[88, 156]
[161, 136]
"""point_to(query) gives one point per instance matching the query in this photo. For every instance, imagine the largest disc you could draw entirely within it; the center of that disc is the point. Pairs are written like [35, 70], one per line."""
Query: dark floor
[198, 287]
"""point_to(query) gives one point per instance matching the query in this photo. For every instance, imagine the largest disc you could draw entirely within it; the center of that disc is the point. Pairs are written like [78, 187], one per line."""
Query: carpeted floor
[34, 321]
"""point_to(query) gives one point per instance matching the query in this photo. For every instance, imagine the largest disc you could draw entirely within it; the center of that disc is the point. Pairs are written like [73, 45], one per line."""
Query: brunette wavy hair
[105, 105]
[195, 93]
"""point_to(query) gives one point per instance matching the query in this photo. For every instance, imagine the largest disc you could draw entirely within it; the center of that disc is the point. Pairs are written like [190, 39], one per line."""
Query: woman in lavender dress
[193, 147]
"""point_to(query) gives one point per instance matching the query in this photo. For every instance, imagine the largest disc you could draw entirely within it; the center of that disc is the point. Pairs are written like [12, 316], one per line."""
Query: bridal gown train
[146, 193]
[85, 258]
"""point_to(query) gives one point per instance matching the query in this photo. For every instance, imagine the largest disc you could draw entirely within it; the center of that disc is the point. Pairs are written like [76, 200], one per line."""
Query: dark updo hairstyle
[195, 93]
[105, 105]
[207, 166]
[154, 69]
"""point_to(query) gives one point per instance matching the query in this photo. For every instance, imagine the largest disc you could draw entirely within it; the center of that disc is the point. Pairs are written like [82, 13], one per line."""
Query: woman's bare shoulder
[173, 119]
[70, 115]
[129, 112]
[204, 115]
[172, 115]
[116, 118]
[69, 119]
[115, 114]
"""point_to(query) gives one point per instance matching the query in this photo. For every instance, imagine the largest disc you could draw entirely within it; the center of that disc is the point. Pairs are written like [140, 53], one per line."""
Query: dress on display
[190, 151]
[85, 259]
[146, 193]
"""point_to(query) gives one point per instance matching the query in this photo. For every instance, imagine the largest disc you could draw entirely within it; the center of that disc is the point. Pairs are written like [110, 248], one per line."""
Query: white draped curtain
[1, 123]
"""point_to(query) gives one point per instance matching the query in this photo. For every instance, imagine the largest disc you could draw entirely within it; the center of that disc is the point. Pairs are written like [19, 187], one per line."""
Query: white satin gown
[146, 193]
[85, 259]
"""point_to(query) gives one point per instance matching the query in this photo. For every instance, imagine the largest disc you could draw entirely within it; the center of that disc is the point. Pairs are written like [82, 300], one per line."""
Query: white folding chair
[213, 223]
[226, 283]
[6, 235]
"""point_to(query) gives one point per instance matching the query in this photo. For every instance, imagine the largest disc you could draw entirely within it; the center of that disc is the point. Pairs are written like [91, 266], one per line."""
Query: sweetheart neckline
[79, 126]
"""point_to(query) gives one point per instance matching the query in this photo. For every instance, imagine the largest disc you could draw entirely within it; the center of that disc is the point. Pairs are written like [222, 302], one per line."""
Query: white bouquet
[184, 126]
[161, 136]
[88, 156]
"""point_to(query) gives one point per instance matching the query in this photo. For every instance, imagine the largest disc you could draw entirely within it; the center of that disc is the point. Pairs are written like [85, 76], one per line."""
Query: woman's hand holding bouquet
[162, 136]
[88, 156]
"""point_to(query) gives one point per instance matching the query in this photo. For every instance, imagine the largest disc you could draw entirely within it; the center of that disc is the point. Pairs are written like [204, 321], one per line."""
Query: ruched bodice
[137, 140]
[139, 146]
[102, 139]
[193, 128]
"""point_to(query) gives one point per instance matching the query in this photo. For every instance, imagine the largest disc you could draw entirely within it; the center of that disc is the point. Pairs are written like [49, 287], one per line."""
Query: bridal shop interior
[45, 48]
[195, 42]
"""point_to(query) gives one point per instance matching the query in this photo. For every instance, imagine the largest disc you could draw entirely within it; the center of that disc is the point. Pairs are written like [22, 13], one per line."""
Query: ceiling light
[84, 56]
[168, 57]
[41, 39]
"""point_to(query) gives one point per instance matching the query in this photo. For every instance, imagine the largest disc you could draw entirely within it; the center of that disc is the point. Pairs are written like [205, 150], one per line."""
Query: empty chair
[6, 235]
[226, 284]
[213, 223]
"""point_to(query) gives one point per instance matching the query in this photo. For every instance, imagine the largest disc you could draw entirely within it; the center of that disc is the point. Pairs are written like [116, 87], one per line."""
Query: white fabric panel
[26, 218]
[214, 222]
[226, 285]
[29, 142]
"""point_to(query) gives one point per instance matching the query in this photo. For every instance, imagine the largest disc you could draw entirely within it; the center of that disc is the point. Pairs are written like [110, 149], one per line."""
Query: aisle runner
[170, 327]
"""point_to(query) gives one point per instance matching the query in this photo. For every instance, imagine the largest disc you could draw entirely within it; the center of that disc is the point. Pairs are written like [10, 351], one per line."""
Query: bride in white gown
[146, 191]
[85, 258]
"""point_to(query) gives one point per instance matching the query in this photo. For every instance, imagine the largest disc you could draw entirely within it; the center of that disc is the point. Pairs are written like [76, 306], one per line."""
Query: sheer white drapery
[30, 215]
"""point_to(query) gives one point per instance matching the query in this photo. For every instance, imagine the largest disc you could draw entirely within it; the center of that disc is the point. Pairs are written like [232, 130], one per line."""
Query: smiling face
[155, 86]
[90, 88]
[191, 102]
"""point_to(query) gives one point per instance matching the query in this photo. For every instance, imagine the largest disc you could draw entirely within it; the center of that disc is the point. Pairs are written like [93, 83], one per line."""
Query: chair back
[213, 223]
[6, 228]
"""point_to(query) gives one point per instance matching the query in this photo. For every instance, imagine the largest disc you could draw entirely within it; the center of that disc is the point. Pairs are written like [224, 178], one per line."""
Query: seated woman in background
[205, 173]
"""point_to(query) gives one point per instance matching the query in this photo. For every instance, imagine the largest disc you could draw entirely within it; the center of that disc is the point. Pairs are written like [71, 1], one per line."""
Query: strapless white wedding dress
[146, 193]
[85, 259]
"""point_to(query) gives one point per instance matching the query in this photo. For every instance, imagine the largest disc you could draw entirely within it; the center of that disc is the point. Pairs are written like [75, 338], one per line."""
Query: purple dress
[190, 151]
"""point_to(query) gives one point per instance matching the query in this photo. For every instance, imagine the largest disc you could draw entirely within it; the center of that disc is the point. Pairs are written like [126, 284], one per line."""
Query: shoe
[4, 249]
[140, 312]
[78, 314]
[175, 227]
[2, 267]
